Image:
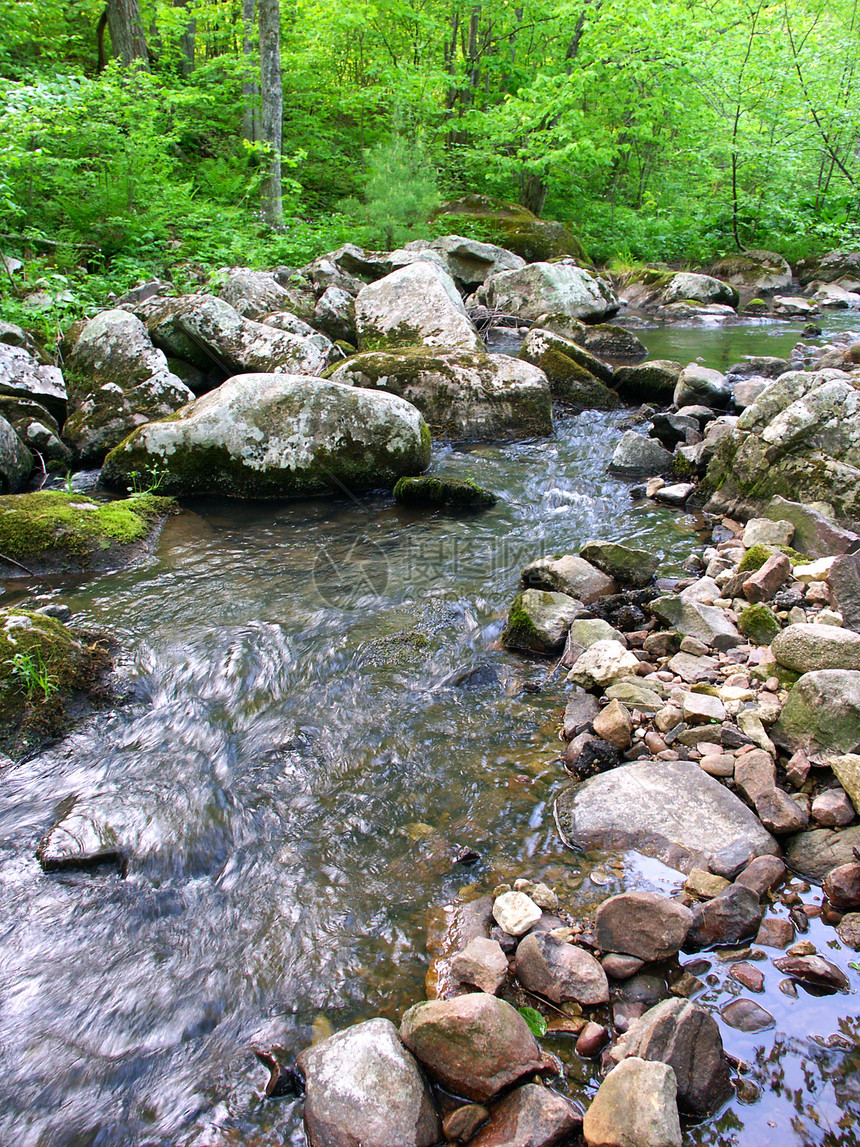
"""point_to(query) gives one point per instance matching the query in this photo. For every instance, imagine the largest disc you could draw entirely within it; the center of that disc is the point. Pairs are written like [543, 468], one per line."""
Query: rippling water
[322, 714]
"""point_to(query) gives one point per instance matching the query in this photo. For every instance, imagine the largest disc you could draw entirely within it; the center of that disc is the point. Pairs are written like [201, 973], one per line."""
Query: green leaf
[536, 1022]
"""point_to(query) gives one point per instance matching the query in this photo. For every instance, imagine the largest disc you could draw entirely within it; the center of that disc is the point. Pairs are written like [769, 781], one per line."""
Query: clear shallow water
[292, 785]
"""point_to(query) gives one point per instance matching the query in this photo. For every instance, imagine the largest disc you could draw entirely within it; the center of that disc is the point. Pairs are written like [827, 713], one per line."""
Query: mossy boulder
[463, 395]
[758, 623]
[751, 272]
[754, 558]
[50, 531]
[550, 288]
[822, 713]
[628, 565]
[47, 673]
[652, 381]
[515, 228]
[443, 493]
[576, 378]
[277, 436]
[538, 622]
[16, 461]
[417, 305]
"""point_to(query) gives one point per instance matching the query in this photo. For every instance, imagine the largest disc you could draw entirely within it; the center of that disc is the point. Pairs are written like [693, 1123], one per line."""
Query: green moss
[786, 677]
[396, 650]
[759, 623]
[520, 632]
[573, 385]
[754, 558]
[403, 335]
[73, 664]
[443, 492]
[50, 522]
[682, 467]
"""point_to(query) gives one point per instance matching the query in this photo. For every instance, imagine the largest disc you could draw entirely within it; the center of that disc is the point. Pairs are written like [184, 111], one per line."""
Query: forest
[170, 138]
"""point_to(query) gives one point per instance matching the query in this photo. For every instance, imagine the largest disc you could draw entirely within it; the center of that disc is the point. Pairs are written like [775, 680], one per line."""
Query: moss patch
[754, 558]
[443, 492]
[50, 530]
[759, 623]
[46, 670]
[520, 632]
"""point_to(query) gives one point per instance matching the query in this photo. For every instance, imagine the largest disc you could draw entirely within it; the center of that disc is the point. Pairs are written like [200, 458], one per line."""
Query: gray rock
[470, 262]
[363, 1086]
[636, 456]
[531, 1116]
[253, 293]
[700, 288]
[747, 1016]
[482, 963]
[754, 272]
[560, 971]
[822, 713]
[16, 461]
[417, 305]
[278, 435]
[806, 648]
[584, 633]
[700, 384]
[707, 623]
[462, 395]
[635, 1106]
[642, 924]
[668, 809]
[687, 1039]
[730, 917]
[539, 342]
[539, 620]
[815, 533]
[571, 575]
[843, 580]
[601, 664]
[814, 853]
[652, 381]
[626, 565]
[334, 315]
[580, 711]
[551, 288]
[475, 1045]
[23, 376]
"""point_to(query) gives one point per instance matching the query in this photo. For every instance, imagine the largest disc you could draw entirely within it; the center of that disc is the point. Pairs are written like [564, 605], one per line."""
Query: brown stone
[613, 724]
[832, 808]
[755, 774]
[464, 1121]
[592, 1040]
[727, 919]
[560, 971]
[762, 875]
[814, 970]
[767, 579]
[531, 1116]
[642, 924]
[842, 886]
[748, 975]
[775, 932]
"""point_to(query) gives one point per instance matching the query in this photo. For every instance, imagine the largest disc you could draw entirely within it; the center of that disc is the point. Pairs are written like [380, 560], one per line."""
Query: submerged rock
[363, 1086]
[80, 838]
[668, 809]
[475, 1045]
[443, 493]
[462, 395]
[277, 436]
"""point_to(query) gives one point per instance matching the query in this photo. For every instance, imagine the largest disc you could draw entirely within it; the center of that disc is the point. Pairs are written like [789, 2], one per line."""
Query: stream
[321, 716]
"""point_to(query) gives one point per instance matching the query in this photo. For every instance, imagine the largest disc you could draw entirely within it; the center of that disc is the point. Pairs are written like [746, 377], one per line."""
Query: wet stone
[705, 885]
[747, 1016]
[592, 1039]
[642, 924]
[531, 1116]
[516, 913]
[814, 971]
[748, 975]
[842, 886]
[775, 932]
[848, 930]
[482, 964]
[580, 711]
[727, 919]
[560, 971]
[463, 1122]
[621, 967]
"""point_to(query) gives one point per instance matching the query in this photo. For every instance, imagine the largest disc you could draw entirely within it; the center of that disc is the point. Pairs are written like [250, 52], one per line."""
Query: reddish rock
[464, 1121]
[775, 933]
[747, 1016]
[814, 970]
[762, 875]
[642, 924]
[475, 1045]
[764, 583]
[755, 775]
[560, 971]
[531, 1116]
[592, 1040]
[748, 975]
[842, 886]
[728, 918]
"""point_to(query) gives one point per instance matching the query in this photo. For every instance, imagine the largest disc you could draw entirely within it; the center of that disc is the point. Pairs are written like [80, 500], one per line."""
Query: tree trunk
[532, 192]
[251, 129]
[187, 41]
[272, 105]
[126, 32]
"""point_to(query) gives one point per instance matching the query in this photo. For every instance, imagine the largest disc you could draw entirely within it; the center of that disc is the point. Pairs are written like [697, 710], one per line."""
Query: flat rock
[571, 575]
[805, 648]
[626, 565]
[531, 1116]
[560, 971]
[579, 712]
[642, 924]
[602, 663]
[747, 1016]
[475, 1045]
[815, 533]
[81, 837]
[707, 623]
[362, 1085]
[814, 970]
[583, 633]
[668, 809]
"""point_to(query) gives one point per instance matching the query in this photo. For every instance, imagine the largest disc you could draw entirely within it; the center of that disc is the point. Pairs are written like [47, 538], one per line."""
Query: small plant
[69, 487]
[34, 675]
[535, 1021]
[149, 480]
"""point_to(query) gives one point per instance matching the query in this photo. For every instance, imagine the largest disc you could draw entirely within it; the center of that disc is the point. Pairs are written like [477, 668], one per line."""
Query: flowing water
[321, 716]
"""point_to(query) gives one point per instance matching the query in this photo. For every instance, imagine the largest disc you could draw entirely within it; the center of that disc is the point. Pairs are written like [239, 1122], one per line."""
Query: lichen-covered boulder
[540, 288]
[699, 288]
[118, 381]
[577, 378]
[23, 376]
[475, 1045]
[637, 456]
[800, 439]
[822, 713]
[699, 385]
[515, 227]
[835, 266]
[334, 314]
[278, 436]
[753, 272]
[363, 1086]
[36, 427]
[470, 262]
[253, 293]
[16, 461]
[463, 395]
[417, 305]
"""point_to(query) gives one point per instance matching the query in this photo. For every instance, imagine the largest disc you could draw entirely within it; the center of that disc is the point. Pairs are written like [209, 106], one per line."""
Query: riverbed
[320, 716]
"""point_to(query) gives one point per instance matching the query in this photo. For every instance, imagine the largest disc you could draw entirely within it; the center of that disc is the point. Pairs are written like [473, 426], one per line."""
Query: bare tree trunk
[187, 41]
[126, 32]
[251, 128]
[272, 100]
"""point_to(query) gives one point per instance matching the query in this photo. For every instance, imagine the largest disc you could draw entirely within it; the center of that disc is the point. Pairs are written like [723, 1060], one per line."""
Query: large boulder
[822, 713]
[119, 381]
[363, 1086]
[834, 267]
[539, 620]
[276, 436]
[815, 533]
[697, 288]
[637, 456]
[475, 1045]
[515, 227]
[800, 439]
[805, 648]
[576, 377]
[556, 288]
[568, 574]
[23, 376]
[471, 262]
[36, 427]
[254, 293]
[652, 381]
[687, 1039]
[417, 305]
[701, 386]
[16, 461]
[815, 853]
[668, 809]
[463, 395]
[627, 565]
[753, 273]
[707, 623]
[209, 332]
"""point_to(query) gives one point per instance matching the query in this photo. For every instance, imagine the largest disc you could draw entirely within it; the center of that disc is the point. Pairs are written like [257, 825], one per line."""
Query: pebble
[620, 967]
[592, 1039]
[750, 977]
[515, 913]
[747, 1016]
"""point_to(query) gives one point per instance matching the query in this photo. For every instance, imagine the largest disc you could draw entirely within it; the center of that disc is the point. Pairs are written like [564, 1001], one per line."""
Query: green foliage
[400, 192]
[535, 1021]
[33, 674]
